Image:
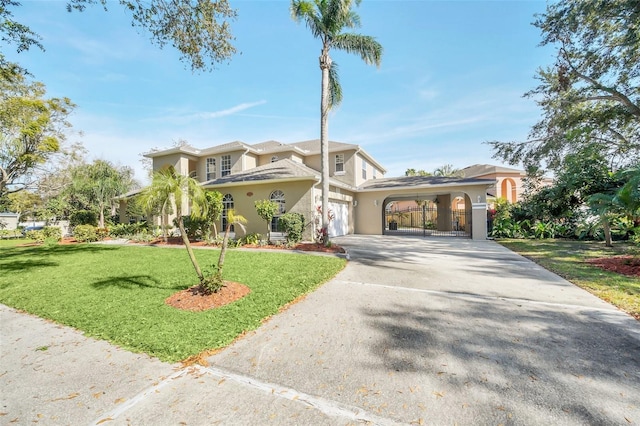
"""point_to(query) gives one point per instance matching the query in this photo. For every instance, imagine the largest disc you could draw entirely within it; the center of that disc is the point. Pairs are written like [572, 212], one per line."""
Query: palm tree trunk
[325, 65]
[187, 244]
[163, 225]
[223, 250]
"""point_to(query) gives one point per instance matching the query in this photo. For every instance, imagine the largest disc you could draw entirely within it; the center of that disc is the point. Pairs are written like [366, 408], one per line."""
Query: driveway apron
[412, 331]
[443, 331]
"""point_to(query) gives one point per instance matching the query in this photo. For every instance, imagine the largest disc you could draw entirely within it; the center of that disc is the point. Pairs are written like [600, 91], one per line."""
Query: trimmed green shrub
[38, 236]
[195, 228]
[292, 224]
[85, 233]
[52, 233]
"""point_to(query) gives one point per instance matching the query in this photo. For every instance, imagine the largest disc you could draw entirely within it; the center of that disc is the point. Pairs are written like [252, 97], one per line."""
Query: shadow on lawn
[129, 282]
[22, 259]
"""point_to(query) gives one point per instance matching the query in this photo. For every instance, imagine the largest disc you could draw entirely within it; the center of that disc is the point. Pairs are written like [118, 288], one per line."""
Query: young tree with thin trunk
[267, 209]
[233, 219]
[327, 19]
[169, 187]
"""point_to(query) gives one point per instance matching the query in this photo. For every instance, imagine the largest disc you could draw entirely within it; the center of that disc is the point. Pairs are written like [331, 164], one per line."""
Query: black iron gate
[424, 221]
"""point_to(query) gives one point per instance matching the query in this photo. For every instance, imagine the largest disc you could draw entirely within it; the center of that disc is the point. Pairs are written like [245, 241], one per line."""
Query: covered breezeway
[443, 215]
[423, 206]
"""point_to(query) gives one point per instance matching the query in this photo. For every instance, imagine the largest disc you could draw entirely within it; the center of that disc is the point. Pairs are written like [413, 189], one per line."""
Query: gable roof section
[312, 147]
[282, 170]
[416, 182]
[487, 169]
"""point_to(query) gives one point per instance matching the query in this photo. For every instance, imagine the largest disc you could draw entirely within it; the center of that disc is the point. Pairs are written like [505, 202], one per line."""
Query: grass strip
[117, 293]
[567, 258]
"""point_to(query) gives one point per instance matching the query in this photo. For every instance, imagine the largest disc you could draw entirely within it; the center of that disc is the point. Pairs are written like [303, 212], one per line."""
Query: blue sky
[452, 77]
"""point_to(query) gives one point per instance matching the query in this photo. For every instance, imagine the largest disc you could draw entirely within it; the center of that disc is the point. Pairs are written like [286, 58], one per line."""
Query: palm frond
[366, 46]
[335, 90]
[304, 10]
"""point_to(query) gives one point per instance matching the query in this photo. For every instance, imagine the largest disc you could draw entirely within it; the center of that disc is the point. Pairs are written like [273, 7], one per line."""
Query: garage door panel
[340, 223]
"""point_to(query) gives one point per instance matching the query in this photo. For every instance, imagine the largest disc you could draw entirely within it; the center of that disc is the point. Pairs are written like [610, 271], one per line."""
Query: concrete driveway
[412, 331]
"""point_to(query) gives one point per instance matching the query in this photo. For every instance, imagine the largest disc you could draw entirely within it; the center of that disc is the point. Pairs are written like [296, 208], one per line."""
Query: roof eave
[208, 185]
[487, 183]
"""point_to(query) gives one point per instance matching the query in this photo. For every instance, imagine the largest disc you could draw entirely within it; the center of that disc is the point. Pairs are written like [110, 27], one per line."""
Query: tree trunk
[325, 65]
[187, 244]
[101, 219]
[223, 250]
[607, 232]
[163, 225]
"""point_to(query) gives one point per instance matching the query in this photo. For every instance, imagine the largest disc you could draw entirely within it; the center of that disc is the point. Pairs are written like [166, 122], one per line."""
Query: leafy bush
[251, 239]
[83, 217]
[127, 229]
[292, 224]
[194, 227]
[212, 283]
[6, 233]
[85, 233]
[38, 235]
[102, 233]
[142, 237]
[52, 232]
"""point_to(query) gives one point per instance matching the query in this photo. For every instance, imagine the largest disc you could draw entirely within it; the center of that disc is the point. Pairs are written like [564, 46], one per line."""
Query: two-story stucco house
[289, 174]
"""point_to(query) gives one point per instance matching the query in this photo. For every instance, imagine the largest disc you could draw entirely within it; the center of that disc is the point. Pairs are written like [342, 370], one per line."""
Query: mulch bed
[193, 300]
[625, 265]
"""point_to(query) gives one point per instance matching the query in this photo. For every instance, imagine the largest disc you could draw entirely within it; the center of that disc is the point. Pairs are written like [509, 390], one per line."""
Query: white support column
[479, 221]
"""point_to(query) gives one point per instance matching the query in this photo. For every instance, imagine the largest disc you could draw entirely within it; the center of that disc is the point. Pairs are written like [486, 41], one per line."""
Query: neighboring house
[289, 174]
[9, 221]
[508, 181]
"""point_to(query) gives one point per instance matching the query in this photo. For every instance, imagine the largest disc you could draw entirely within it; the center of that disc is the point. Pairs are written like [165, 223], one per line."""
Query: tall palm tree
[327, 19]
[169, 187]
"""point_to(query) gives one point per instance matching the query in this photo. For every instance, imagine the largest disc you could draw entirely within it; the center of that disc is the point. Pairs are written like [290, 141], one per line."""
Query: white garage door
[340, 223]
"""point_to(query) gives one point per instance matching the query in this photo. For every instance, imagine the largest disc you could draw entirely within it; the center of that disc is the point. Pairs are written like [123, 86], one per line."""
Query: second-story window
[211, 168]
[225, 165]
[374, 173]
[274, 158]
[339, 163]
[364, 168]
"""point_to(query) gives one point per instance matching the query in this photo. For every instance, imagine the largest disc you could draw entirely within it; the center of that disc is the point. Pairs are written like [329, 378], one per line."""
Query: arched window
[277, 196]
[227, 203]
[274, 158]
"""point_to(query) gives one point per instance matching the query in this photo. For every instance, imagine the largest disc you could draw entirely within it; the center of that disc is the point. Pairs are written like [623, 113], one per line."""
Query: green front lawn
[567, 259]
[117, 293]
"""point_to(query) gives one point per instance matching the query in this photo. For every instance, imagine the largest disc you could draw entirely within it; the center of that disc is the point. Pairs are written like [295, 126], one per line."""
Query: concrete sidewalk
[413, 331]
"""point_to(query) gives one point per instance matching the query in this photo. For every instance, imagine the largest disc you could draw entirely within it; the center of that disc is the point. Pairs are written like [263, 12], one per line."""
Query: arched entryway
[444, 215]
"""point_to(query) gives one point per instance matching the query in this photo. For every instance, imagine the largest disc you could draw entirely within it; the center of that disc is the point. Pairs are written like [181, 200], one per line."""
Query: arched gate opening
[443, 215]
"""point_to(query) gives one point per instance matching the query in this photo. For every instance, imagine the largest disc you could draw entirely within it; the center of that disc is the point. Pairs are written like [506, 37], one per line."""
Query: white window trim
[222, 164]
[335, 165]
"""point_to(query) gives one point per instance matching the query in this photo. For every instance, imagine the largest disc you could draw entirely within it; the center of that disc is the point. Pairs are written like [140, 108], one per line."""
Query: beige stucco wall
[266, 158]
[179, 161]
[369, 212]
[298, 198]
